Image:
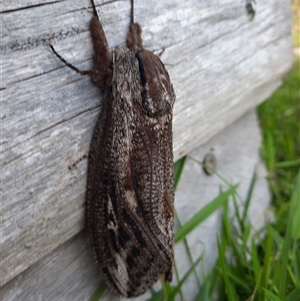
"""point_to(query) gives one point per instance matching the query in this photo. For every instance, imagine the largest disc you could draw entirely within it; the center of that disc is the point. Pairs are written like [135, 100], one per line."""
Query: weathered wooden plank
[69, 272]
[221, 65]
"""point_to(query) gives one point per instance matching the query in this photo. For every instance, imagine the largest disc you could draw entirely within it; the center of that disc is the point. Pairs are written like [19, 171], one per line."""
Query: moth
[130, 184]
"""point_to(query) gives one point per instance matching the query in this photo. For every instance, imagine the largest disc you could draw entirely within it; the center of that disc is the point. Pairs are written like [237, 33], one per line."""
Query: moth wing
[130, 194]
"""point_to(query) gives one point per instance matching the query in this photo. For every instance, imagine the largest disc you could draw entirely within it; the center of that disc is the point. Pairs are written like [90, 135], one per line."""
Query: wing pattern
[130, 194]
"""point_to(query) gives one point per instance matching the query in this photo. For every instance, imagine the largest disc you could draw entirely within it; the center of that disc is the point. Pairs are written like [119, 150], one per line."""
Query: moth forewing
[134, 240]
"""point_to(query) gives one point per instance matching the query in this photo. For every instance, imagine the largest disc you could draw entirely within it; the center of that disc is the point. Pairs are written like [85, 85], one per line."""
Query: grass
[280, 123]
[267, 268]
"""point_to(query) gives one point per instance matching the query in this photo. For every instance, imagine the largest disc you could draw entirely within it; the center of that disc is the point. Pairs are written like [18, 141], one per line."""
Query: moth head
[157, 94]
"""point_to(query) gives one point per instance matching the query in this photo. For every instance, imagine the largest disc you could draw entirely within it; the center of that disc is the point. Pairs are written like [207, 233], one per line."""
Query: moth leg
[161, 52]
[82, 72]
[71, 166]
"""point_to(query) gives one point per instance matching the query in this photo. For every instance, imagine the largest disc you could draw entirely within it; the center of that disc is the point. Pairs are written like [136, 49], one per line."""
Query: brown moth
[130, 185]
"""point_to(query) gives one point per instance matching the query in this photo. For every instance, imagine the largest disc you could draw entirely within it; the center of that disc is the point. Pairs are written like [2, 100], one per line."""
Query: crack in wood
[29, 7]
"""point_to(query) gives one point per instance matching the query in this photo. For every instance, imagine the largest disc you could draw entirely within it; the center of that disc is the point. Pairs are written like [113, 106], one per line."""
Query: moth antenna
[134, 39]
[94, 9]
[132, 12]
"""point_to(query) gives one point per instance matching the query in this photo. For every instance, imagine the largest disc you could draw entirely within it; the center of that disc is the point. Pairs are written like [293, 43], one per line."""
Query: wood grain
[220, 63]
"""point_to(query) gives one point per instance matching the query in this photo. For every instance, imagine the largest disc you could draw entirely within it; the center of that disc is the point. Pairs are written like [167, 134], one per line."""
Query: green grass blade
[98, 293]
[270, 151]
[188, 251]
[156, 296]
[236, 278]
[285, 251]
[271, 296]
[255, 263]
[292, 276]
[237, 212]
[231, 294]
[295, 209]
[295, 264]
[248, 197]
[203, 214]
[184, 278]
[293, 295]
[227, 225]
[268, 249]
[276, 236]
[168, 291]
[178, 167]
[177, 278]
[284, 164]
[204, 294]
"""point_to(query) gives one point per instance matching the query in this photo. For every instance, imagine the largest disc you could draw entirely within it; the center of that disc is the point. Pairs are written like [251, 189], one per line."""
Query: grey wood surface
[220, 63]
[69, 272]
